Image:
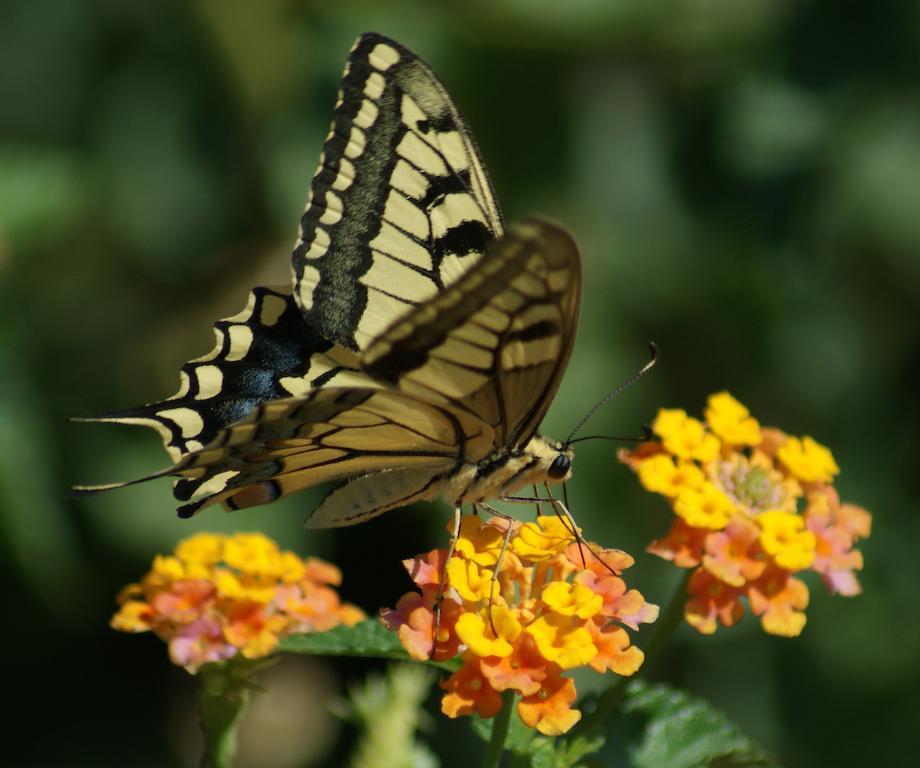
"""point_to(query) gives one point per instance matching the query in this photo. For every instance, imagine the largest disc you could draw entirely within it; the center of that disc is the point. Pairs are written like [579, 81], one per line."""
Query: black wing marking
[401, 204]
[262, 353]
[497, 341]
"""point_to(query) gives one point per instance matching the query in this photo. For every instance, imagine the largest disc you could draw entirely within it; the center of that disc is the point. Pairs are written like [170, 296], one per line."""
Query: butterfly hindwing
[262, 353]
[367, 496]
[401, 205]
[327, 434]
[497, 341]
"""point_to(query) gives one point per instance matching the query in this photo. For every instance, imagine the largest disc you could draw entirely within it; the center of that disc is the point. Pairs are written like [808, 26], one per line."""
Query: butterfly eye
[560, 467]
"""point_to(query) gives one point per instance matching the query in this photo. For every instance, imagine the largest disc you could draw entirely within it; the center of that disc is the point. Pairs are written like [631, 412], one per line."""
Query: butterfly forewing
[401, 205]
[497, 341]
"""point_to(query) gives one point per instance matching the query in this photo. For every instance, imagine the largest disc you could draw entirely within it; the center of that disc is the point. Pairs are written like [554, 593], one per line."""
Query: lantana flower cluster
[753, 506]
[520, 619]
[219, 595]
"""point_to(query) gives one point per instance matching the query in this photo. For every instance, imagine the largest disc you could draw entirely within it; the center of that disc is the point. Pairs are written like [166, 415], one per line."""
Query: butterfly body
[504, 473]
[421, 341]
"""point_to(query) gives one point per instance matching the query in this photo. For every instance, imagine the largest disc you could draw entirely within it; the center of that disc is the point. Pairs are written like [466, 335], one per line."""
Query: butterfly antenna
[643, 438]
[653, 349]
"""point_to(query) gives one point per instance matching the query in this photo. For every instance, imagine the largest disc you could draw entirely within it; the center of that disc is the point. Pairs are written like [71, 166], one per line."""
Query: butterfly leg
[582, 544]
[455, 534]
[501, 556]
[536, 493]
[562, 511]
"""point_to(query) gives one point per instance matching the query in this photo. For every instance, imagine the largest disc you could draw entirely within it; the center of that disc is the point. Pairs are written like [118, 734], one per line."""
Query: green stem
[499, 732]
[667, 622]
[224, 693]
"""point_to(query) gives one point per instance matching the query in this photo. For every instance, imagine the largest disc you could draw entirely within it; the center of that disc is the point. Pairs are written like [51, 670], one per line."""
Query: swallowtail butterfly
[421, 341]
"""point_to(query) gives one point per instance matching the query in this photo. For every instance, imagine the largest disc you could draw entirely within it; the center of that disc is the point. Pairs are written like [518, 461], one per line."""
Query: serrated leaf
[368, 639]
[686, 732]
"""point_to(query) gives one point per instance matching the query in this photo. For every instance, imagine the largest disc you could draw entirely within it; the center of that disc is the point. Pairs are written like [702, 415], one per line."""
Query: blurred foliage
[741, 176]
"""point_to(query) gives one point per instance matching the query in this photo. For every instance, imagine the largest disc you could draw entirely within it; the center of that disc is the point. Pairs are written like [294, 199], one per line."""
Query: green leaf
[544, 752]
[685, 732]
[368, 639]
[520, 738]
[565, 754]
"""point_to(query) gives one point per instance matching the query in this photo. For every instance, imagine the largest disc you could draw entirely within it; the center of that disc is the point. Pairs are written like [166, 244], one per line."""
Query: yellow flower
[783, 536]
[668, 421]
[756, 474]
[293, 568]
[477, 542]
[218, 596]
[684, 437]
[471, 582]
[731, 421]
[201, 548]
[572, 599]
[240, 587]
[659, 475]
[253, 553]
[168, 568]
[133, 616]
[543, 539]
[471, 629]
[707, 507]
[562, 642]
[559, 607]
[808, 460]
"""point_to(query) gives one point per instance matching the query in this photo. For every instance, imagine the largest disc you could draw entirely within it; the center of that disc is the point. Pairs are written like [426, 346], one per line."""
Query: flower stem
[499, 732]
[667, 622]
[222, 698]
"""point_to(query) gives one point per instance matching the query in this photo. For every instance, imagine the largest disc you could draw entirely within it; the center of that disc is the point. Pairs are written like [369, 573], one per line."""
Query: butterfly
[419, 346]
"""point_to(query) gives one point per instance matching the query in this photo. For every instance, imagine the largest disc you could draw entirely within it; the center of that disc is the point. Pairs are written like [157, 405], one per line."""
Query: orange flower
[683, 544]
[836, 528]
[733, 555]
[520, 622]
[184, 602]
[414, 621]
[712, 602]
[222, 595]
[523, 670]
[780, 600]
[614, 651]
[469, 691]
[252, 629]
[549, 710]
[764, 511]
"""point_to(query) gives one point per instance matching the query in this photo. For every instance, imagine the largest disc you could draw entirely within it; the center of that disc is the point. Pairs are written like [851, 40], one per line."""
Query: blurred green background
[743, 177]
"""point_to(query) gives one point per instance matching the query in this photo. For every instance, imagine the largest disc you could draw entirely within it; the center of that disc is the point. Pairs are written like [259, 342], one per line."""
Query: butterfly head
[561, 467]
[555, 458]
